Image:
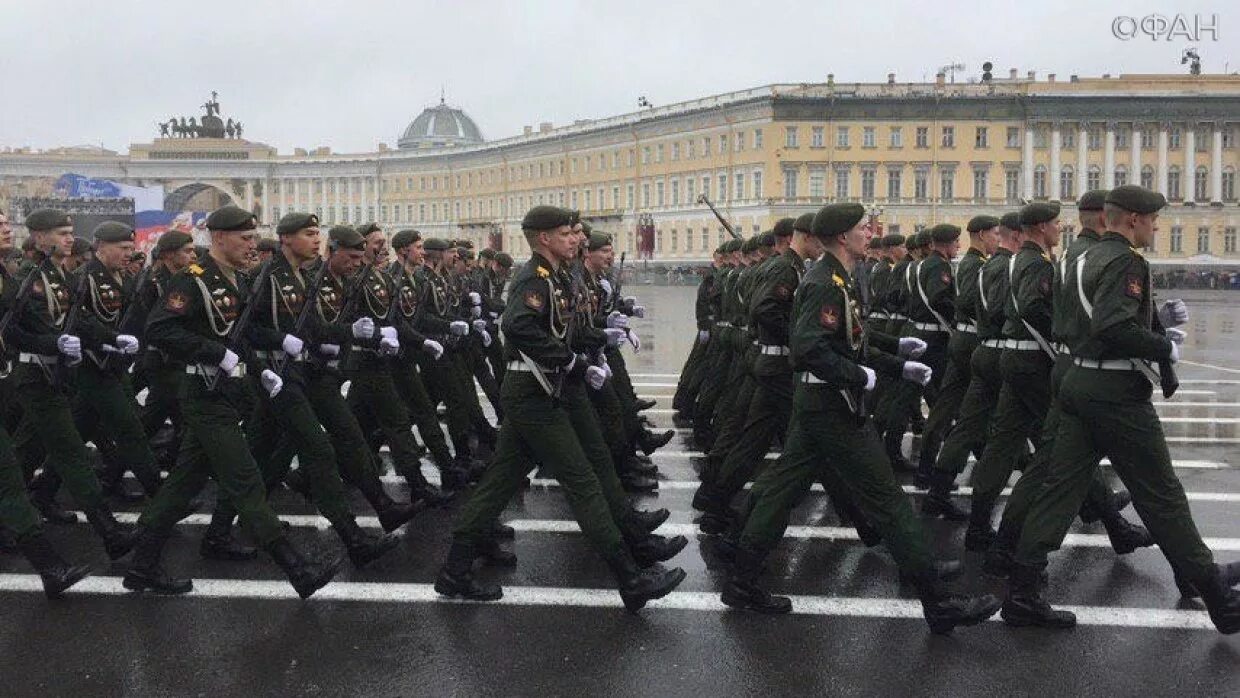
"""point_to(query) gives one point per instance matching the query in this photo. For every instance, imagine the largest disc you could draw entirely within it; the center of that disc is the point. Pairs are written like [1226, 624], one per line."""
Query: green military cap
[804, 222]
[47, 219]
[465, 253]
[467, 244]
[292, 222]
[834, 219]
[112, 231]
[269, 245]
[405, 238]
[875, 244]
[767, 239]
[916, 240]
[1010, 220]
[81, 246]
[435, 245]
[547, 218]
[1038, 212]
[345, 237]
[893, 240]
[979, 223]
[231, 219]
[504, 259]
[368, 228]
[749, 245]
[733, 245]
[1092, 200]
[784, 227]
[944, 232]
[486, 253]
[598, 241]
[1131, 197]
[586, 227]
[172, 241]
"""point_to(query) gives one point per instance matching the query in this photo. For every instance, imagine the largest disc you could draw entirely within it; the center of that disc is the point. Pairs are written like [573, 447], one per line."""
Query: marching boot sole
[373, 552]
[944, 626]
[54, 587]
[636, 602]
[307, 588]
[450, 590]
[745, 604]
[1019, 619]
[137, 583]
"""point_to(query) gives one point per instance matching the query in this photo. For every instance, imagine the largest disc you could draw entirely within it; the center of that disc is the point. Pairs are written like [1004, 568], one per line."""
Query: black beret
[81, 246]
[269, 245]
[586, 228]
[1131, 197]
[344, 236]
[547, 218]
[47, 219]
[1092, 200]
[893, 240]
[1038, 212]
[733, 245]
[916, 240]
[979, 223]
[767, 239]
[504, 259]
[465, 253]
[834, 219]
[598, 241]
[292, 222]
[405, 238]
[486, 253]
[231, 218]
[1011, 220]
[112, 231]
[368, 228]
[749, 245]
[172, 241]
[875, 244]
[944, 232]
[784, 227]
[467, 244]
[435, 245]
[804, 222]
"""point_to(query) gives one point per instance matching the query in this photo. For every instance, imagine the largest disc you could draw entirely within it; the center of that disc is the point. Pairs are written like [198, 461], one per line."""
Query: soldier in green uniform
[46, 351]
[892, 252]
[1106, 411]
[549, 419]
[690, 380]
[721, 351]
[194, 325]
[829, 430]
[891, 424]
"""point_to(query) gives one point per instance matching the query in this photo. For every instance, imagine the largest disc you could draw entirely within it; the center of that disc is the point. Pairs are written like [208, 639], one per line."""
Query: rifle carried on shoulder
[60, 373]
[127, 316]
[703, 199]
[236, 333]
[303, 315]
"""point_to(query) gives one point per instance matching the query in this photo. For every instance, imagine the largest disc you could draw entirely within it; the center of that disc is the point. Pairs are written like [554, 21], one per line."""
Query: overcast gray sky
[352, 74]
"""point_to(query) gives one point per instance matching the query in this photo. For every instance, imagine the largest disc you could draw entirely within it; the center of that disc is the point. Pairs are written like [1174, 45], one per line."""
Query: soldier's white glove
[617, 320]
[635, 341]
[911, 347]
[127, 343]
[703, 336]
[486, 338]
[595, 377]
[1176, 336]
[272, 382]
[389, 347]
[917, 372]
[435, 349]
[1173, 313]
[292, 345]
[638, 311]
[871, 378]
[230, 361]
[568, 367]
[480, 326]
[474, 298]
[614, 336]
[363, 328]
[458, 328]
[475, 311]
[602, 363]
[329, 349]
[630, 301]
[1175, 353]
[494, 315]
[606, 286]
[388, 332]
[70, 346]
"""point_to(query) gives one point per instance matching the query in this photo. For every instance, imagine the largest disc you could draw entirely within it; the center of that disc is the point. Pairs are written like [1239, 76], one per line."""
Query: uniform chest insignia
[219, 291]
[533, 300]
[176, 302]
[782, 292]
[195, 270]
[829, 317]
[543, 273]
[1134, 286]
[947, 277]
[288, 287]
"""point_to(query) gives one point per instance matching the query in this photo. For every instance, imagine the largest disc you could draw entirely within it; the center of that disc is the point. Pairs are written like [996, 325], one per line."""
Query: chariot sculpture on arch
[211, 125]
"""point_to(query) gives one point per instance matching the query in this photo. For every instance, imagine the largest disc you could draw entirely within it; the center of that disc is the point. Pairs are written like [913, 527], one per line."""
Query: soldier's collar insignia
[838, 280]
[196, 270]
[543, 272]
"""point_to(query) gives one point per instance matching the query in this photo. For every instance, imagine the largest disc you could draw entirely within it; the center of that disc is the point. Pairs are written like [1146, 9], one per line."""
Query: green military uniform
[723, 357]
[163, 376]
[690, 380]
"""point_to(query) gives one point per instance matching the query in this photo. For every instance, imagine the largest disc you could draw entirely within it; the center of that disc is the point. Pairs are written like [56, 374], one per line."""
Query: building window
[658, 194]
[757, 185]
[1201, 185]
[675, 242]
[675, 192]
[815, 137]
[923, 137]
[690, 190]
[1173, 183]
[982, 137]
[676, 150]
[1121, 138]
[1068, 139]
[1147, 177]
[981, 182]
[738, 181]
[949, 137]
[1095, 138]
[841, 184]
[1093, 177]
[841, 137]
[705, 239]
[1229, 184]
[1039, 138]
[1011, 185]
[723, 143]
[690, 149]
[706, 185]
[790, 184]
[897, 137]
[947, 184]
[658, 153]
[628, 197]
[867, 184]
[1066, 179]
[1177, 239]
[867, 137]
[1013, 136]
[1229, 239]
[723, 187]
[790, 137]
[1173, 138]
[1121, 175]
[645, 196]
[921, 186]
[1147, 138]
[817, 182]
[894, 177]
[1039, 182]
[1203, 240]
[1200, 141]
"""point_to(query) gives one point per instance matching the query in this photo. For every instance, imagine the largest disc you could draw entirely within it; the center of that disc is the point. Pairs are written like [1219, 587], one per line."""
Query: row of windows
[818, 184]
[1095, 135]
[1093, 180]
[1176, 239]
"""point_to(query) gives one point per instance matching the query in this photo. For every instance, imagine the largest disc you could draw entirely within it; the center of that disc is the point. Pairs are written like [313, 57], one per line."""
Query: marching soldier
[690, 375]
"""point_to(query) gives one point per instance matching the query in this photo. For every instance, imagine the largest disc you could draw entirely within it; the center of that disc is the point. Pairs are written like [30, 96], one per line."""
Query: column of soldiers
[1029, 362]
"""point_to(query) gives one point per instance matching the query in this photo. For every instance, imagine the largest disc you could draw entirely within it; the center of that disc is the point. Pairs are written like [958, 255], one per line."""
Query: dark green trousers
[563, 437]
[441, 381]
[729, 426]
[104, 404]
[52, 439]
[955, 383]
[16, 512]
[765, 420]
[1108, 413]
[408, 382]
[823, 434]
[377, 405]
[688, 383]
[1023, 401]
[976, 411]
[163, 380]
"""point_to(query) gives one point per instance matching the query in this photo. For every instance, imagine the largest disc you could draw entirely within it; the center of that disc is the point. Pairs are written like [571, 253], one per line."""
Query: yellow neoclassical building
[915, 153]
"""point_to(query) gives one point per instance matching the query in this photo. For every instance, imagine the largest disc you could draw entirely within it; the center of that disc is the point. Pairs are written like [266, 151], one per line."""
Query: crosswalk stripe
[1164, 420]
[703, 601]
[1187, 464]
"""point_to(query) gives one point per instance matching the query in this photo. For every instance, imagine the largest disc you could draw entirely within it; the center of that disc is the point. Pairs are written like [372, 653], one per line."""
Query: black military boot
[634, 483]
[43, 496]
[306, 576]
[1118, 502]
[940, 570]
[57, 575]
[1221, 600]
[946, 611]
[652, 549]
[364, 548]
[938, 501]
[1027, 606]
[1125, 536]
[421, 492]
[742, 590]
[980, 535]
[117, 538]
[649, 520]
[649, 442]
[392, 514]
[145, 573]
[893, 443]
[705, 495]
[148, 477]
[1230, 574]
[296, 481]
[218, 542]
[643, 405]
[490, 552]
[1001, 555]
[502, 531]
[641, 467]
[456, 577]
[639, 586]
[8, 541]
[455, 477]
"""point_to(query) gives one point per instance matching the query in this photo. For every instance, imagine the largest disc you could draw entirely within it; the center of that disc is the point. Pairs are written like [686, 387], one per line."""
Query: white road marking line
[704, 601]
[1210, 366]
[1165, 420]
[655, 375]
[1188, 464]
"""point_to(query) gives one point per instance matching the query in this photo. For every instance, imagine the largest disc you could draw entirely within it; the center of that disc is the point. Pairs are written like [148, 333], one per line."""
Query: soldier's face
[303, 244]
[376, 243]
[6, 234]
[235, 249]
[561, 243]
[856, 240]
[345, 263]
[987, 240]
[58, 242]
[114, 255]
[182, 258]
[416, 252]
[1144, 228]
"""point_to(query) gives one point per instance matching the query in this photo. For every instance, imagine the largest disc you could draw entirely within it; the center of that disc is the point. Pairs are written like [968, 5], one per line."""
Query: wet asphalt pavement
[560, 630]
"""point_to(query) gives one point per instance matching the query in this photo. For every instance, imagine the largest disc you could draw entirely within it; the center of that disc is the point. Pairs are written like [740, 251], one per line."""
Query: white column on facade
[296, 185]
[1216, 164]
[1188, 180]
[1082, 157]
[339, 182]
[348, 200]
[1056, 144]
[323, 195]
[1026, 164]
[1164, 135]
[1108, 157]
[374, 183]
[249, 194]
[267, 199]
[1134, 157]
